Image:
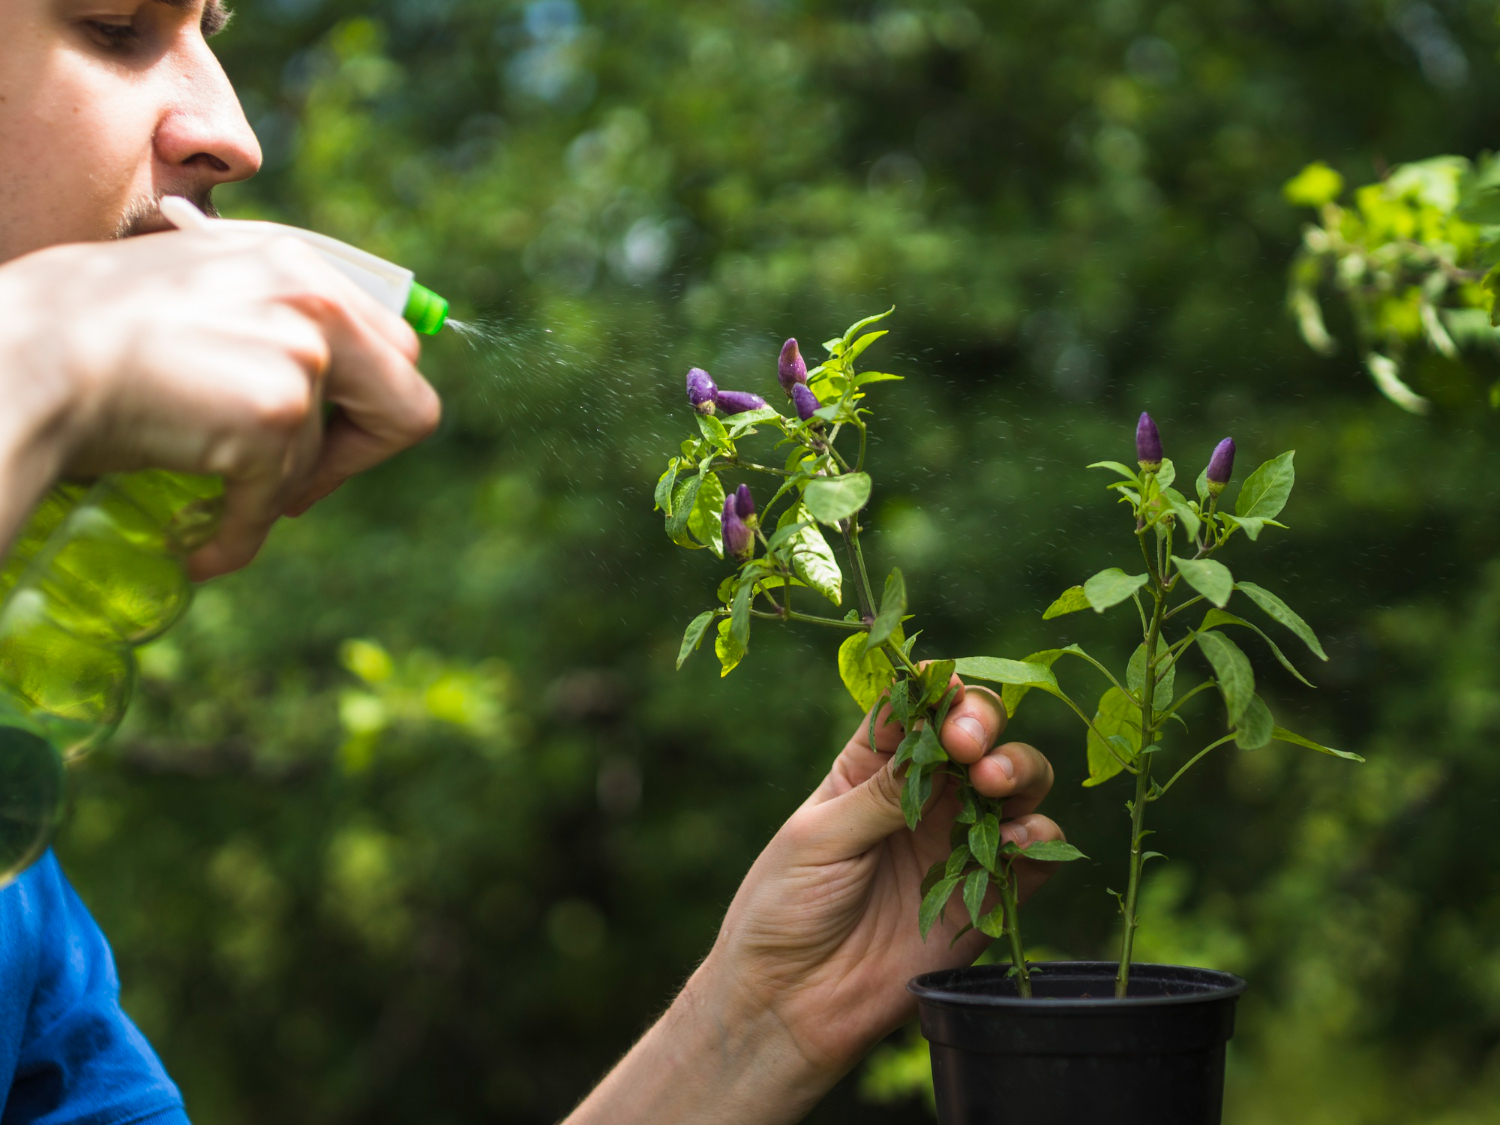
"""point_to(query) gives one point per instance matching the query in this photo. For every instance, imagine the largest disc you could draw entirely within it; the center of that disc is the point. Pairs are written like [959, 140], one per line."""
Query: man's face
[105, 106]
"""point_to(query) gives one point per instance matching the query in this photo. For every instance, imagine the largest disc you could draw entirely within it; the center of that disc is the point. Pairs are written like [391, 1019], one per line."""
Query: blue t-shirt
[68, 1054]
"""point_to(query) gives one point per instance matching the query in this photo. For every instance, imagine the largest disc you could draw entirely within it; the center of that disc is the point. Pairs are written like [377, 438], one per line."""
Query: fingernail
[1008, 766]
[1018, 834]
[971, 727]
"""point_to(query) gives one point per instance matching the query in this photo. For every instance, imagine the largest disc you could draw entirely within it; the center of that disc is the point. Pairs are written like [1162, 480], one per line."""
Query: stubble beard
[144, 215]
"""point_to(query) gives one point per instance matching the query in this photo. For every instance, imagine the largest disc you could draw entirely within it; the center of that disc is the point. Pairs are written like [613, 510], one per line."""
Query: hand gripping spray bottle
[98, 571]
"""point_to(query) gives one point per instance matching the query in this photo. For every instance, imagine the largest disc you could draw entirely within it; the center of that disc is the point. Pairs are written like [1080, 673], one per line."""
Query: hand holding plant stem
[819, 486]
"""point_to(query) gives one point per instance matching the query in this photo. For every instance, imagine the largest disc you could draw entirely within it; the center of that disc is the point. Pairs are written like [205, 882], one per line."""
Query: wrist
[716, 1054]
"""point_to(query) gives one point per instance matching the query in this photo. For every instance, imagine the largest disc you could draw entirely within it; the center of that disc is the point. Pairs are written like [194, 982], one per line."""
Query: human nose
[204, 131]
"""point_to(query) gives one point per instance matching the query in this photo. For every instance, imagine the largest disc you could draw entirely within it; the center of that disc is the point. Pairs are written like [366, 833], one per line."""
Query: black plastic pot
[1073, 1054]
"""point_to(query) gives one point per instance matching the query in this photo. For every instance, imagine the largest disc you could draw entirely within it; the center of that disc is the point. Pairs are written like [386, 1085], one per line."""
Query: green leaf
[813, 559]
[914, 794]
[1012, 694]
[892, 610]
[858, 347]
[993, 923]
[1314, 186]
[932, 905]
[865, 675]
[1166, 684]
[984, 841]
[694, 635]
[1281, 734]
[1118, 717]
[935, 679]
[997, 670]
[975, 888]
[1202, 486]
[928, 749]
[1256, 727]
[664, 485]
[1210, 578]
[1166, 474]
[877, 377]
[683, 500]
[740, 423]
[958, 859]
[1278, 609]
[1250, 525]
[1053, 851]
[1124, 470]
[1231, 669]
[714, 432]
[728, 651]
[1111, 587]
[739, 617]
[706, 521]
[1216, 617]
[832, 499]
[859, 325]
[938, 870]
[1186, 517]
[1265, 491]
[907, 748]
[1070, 600]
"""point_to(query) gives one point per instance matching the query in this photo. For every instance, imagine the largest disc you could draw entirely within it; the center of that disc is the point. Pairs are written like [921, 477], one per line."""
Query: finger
[352, 300]
[265, 452]
[1016, 773]
[857, 763]
[253, 502]
[854, 822]
[384, 405]
[975, 720]
[1024, 831]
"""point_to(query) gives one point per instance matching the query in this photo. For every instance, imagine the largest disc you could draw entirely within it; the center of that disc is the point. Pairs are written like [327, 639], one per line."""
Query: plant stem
[736, 463]
[1194, 761]
[857, 561]
[1167, 714]
[1108, 675]
[1142, 782]
[1013, 931]
[812, 619]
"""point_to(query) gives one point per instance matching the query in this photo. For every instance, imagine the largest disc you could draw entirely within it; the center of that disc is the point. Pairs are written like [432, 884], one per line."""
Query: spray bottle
[99, 570]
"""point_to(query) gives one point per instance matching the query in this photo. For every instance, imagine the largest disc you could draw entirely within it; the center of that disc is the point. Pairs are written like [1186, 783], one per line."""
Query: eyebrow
[215, 15]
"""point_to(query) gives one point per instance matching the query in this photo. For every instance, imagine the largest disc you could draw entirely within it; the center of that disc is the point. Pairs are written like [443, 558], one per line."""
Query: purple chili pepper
[805, 401]
[1147, 443]
[744, 503]
[1221, 466]
[701, 390]
[791, 369]
[737, 402]
[739, 540]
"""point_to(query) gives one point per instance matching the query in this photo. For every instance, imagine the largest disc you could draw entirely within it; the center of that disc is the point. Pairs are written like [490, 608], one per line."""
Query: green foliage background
[447, 875]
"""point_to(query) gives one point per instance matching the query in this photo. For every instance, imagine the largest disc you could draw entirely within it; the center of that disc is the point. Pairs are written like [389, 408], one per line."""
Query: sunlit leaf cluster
[1413, 256]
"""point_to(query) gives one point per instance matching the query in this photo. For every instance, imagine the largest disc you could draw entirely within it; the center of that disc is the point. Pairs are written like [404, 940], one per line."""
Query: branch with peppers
[786, 571]
[1178, 539]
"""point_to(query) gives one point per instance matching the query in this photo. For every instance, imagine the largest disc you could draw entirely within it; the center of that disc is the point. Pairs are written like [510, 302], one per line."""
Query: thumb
[854, 822]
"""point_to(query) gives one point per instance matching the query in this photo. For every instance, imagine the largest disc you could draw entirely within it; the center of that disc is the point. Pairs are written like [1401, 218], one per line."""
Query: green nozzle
[425, 310]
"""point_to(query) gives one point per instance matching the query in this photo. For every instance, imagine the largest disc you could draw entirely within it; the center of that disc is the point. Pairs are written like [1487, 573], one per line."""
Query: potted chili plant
[1057, 1042]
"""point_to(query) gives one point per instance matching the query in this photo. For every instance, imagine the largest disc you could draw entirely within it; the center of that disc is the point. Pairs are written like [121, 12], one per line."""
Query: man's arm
[810, 967]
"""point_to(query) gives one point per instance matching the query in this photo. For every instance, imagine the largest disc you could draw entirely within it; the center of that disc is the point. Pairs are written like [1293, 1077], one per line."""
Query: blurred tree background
[415, 821]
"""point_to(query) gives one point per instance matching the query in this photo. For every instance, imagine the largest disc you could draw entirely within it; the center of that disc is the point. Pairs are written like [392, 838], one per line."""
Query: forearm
[31, 452]
[710, 1058]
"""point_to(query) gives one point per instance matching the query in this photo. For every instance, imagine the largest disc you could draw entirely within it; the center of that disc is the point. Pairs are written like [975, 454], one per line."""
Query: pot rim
[1227, 985]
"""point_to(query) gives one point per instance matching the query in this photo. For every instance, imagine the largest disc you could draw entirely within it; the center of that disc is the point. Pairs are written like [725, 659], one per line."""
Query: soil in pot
[1073, 1054]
